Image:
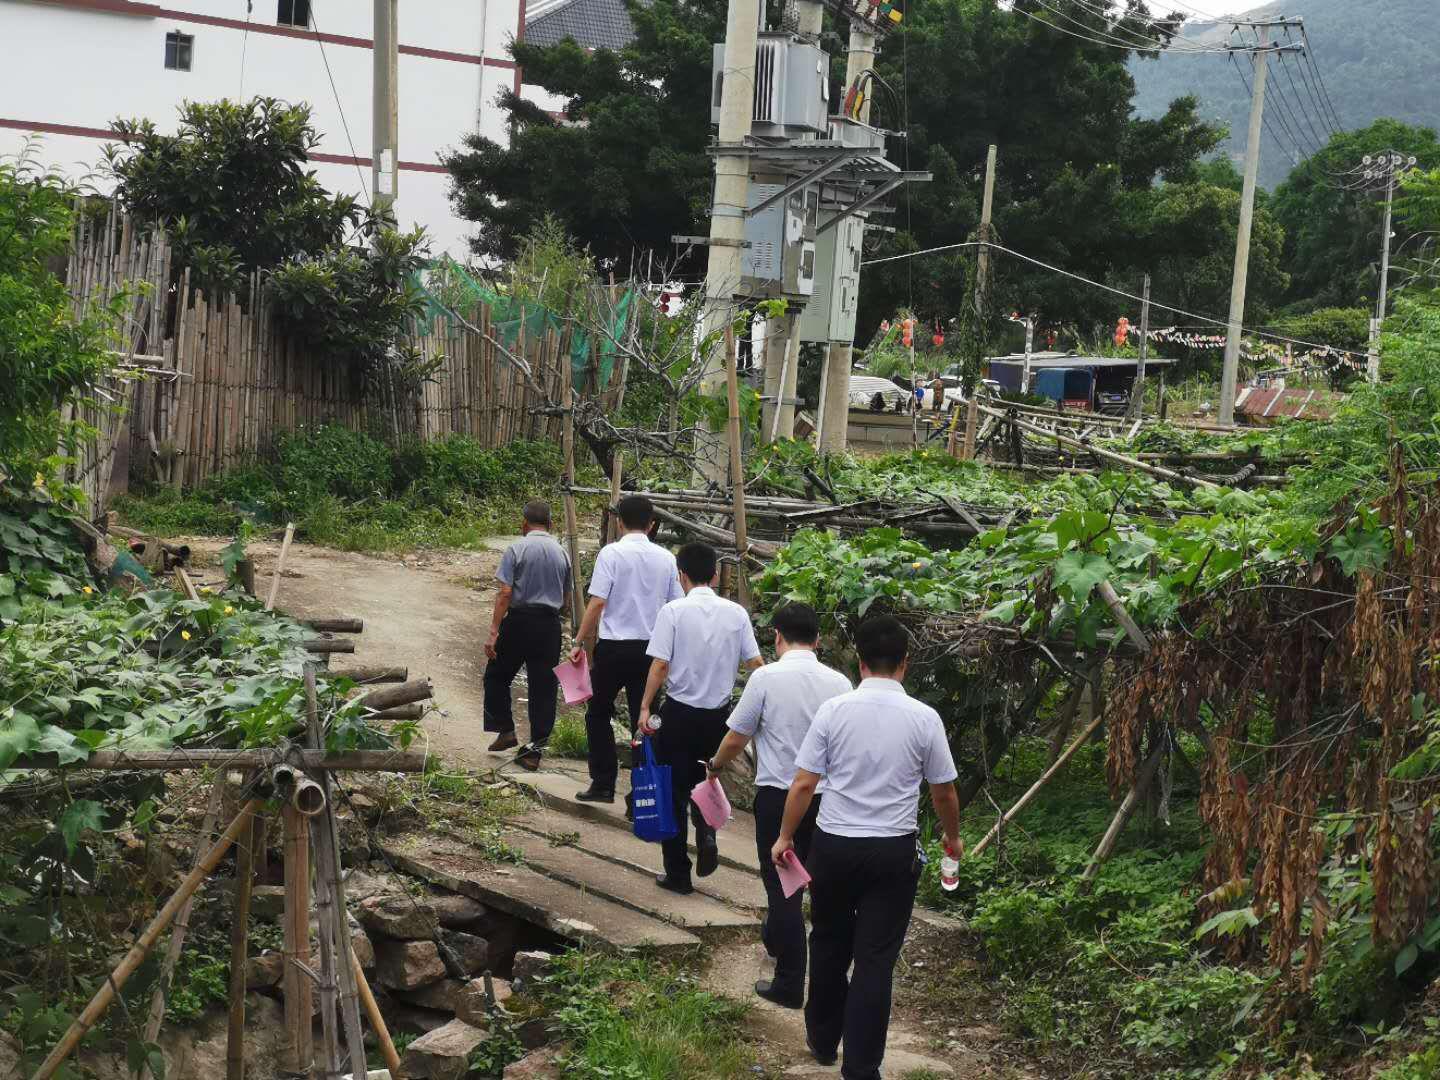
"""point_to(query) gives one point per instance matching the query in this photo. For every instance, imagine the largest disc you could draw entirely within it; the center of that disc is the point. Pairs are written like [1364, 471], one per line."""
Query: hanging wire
[344, 123]
[245, 46]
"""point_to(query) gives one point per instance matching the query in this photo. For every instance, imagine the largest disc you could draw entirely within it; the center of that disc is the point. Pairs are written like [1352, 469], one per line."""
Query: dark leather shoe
[506, 741]
[766, 989]
[707, 859]
[594, 794]
[821, 1059]
[529, 758]
[684, 888]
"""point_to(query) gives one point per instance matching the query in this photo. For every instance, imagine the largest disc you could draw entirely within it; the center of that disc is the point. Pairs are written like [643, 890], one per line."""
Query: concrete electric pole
[982, 283]
[1386, 167]
[384, 165]
[1137, 392]
[1260, 56]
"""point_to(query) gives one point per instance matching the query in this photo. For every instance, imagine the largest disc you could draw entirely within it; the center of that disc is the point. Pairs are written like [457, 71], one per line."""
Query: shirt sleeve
[676, 592]
[745, 719]
[662, 638]
[603, 579]
[814, 755]
[506, 574]
[749, 648]
[939, 763]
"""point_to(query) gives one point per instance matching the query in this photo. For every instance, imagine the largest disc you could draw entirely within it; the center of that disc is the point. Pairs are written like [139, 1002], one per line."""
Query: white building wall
[72, 66]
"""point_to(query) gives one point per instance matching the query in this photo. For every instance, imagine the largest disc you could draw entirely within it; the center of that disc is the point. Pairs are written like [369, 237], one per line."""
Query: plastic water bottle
[949, 870]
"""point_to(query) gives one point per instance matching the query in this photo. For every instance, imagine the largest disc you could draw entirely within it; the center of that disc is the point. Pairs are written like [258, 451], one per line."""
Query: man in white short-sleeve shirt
[633, 579]
[776, 709]
[696, 649]
[873, 747]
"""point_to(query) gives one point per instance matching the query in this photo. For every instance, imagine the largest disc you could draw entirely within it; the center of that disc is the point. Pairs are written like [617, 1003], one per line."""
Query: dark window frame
[179, 51]
[287, 10]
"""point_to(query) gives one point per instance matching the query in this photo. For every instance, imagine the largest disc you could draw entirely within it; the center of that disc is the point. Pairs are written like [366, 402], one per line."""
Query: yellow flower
[39, 480]
[185, 634]
[916, 565]
[87, 590]
[229, 610]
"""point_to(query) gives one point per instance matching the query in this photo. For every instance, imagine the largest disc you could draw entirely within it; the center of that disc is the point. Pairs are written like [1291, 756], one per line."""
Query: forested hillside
[1379, 58]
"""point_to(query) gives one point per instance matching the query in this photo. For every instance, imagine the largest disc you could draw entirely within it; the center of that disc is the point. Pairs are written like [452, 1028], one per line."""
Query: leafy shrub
[1187, 1011]
[331, 460]
[1022, 929]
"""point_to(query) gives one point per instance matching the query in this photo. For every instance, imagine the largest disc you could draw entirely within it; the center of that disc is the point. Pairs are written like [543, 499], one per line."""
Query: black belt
[534, 609]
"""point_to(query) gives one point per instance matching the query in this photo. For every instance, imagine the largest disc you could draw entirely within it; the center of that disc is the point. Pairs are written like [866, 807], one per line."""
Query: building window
[294, 13]
[178, 50]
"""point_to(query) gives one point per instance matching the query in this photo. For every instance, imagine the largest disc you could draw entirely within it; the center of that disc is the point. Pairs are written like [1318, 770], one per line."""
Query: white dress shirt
[777, 707]
[636, 579]
[873, 746]
[704, 638]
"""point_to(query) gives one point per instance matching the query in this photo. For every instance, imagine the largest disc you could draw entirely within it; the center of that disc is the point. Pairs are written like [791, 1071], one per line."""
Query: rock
[440, 996]
[527, 966]
[267, 902]
[400, 917]
[458, 912]
[197, 1049]
[533, 1033]
[543, 1064]
[413, 1019]
[354, 839]
[360, 885]
[264, 971]
[470, 1004]
[368, 809]
[443, 1054]
[364, 950]
[408, 965]
[472, 952]
[9, 1055]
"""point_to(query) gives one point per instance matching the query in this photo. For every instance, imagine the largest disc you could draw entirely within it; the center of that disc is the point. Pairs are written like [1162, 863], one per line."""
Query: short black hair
[882, 644]
[797, 623]
[636, 511]
[697, 562]
[537, 512]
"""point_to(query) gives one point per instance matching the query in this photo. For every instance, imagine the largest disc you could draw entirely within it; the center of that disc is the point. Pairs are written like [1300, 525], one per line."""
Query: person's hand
[712, 770]
[778, 852]
[490, 643]
[576, 653]
[644, 722]
[954, 846]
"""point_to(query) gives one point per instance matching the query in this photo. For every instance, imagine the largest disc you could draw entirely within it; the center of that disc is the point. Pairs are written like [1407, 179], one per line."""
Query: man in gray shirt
[534, 579]
[776, 709]
[873, 747]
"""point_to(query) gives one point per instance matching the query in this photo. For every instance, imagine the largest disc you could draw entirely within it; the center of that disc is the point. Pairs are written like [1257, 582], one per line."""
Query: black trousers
[529, 638]
[861, 896]
[618, 665]
[688, 738]
[784, 930]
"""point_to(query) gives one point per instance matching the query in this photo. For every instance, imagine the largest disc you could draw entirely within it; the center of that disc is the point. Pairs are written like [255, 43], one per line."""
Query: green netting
[446, 286]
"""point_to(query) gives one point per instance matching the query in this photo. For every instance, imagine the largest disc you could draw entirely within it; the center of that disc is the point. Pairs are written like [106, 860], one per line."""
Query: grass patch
[568, 740]
[638, 1019]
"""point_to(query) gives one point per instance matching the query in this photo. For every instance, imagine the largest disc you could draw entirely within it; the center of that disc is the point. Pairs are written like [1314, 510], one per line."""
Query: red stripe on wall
[109, 136]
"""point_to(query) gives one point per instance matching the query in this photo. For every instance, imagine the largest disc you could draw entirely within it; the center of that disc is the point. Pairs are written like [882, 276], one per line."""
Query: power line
[345, 124]
[1208, 320]
[1113, 43]
[1320, 77]
[1320, 135]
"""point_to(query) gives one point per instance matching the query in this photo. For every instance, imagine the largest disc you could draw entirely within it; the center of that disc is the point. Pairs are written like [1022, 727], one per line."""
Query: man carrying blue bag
[697, 647]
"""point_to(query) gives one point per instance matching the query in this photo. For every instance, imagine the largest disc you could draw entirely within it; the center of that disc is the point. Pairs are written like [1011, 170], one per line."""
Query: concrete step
[738, 888]
[563, 908]
[630, 886]
[556, 790]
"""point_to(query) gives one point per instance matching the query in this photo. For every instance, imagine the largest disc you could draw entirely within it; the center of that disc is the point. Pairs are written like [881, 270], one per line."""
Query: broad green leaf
[1078, 572]
[56, 740]
[1406, 957]
[18, 734]
[80, 815]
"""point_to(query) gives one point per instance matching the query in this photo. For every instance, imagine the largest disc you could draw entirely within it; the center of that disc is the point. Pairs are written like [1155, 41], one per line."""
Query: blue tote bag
[654, 804]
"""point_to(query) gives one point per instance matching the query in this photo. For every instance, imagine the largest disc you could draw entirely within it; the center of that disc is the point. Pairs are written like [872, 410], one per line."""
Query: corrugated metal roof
[1055, 360]
[1294, 403]
[594, 24]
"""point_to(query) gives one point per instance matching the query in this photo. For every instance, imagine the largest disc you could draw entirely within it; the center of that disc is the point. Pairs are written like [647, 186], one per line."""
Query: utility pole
[982, 283]
[1137, 392]
[727, 208]
[1260, 56]
[1029, 351]
[385, 122]
[1388, 167]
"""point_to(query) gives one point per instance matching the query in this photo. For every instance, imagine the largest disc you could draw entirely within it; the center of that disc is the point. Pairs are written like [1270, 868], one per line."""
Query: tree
[626, 168]
[1332, 233]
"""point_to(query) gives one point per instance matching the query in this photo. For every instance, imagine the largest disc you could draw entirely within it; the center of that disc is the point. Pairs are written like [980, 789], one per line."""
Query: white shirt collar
[799, 652]
[882, 682]
[701, 590]
[635, 536]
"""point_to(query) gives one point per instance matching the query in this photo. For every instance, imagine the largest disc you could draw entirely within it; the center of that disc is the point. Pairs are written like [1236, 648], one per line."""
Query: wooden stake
[299, 993]
[572, 534]
[177, 938]
[239, 939]
[324, 904]
[617, 470]
[1126, 811]
[279, 566]
[1117, 608]
[377, 1021]
[145, 942]
[737, 462]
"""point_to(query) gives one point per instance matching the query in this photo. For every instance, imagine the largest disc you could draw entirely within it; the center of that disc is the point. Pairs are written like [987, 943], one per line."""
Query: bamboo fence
[207, 382]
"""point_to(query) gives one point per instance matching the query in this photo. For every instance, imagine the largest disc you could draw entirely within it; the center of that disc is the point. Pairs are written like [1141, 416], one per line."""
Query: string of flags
[1284, 355]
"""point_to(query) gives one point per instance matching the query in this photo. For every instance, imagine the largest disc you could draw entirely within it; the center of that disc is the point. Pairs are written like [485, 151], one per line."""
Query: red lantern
[907, 333]
[1122, 331]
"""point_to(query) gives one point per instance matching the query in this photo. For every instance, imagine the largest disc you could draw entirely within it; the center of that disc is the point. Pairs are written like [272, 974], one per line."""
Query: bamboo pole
[177, 939]
[280, 566]
[324, 901]
[572, 537]
[136, 956]
[1127, 810]
[737, 462]
[617, 470]
[239, 939]
[299, 994]
[377, 1020]
[181, 760]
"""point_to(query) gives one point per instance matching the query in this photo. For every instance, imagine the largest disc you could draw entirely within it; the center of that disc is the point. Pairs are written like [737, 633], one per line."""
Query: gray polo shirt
[874, 746]
[777, 707]
[537, 569]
